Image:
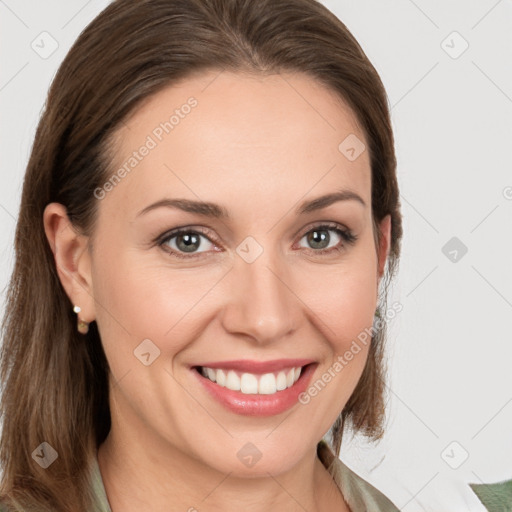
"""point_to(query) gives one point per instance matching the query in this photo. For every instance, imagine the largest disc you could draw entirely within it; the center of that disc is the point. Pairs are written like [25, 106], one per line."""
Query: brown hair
[55, 380]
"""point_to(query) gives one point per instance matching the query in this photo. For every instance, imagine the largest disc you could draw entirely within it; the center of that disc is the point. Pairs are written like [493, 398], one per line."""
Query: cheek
[343, 298]
[138, 298]
[343, 310]
[348, 309]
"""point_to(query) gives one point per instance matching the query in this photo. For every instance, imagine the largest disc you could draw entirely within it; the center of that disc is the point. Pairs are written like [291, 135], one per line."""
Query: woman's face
[251, 280]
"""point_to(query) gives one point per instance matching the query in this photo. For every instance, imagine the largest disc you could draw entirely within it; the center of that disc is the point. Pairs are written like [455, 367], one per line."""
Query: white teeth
[267, 385]
[233, 381]
[281, 381]
[211, 374]
[290, 378]
[220, 378]
[249, 383]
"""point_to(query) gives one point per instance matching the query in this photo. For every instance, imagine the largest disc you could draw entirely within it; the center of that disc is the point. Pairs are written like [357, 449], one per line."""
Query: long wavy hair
[55, 380]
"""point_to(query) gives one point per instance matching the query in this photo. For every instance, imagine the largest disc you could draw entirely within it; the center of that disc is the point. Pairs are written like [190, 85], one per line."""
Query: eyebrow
[216, 211]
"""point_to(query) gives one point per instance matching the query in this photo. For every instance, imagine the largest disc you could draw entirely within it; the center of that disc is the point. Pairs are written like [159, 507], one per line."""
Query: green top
[496, 497]
[359, 494]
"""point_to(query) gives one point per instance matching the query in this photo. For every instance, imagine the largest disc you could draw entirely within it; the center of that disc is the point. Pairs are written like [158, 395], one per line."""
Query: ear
[72, 259]
[385, 243]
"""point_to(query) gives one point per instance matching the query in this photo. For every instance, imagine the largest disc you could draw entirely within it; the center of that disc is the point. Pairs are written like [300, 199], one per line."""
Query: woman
[208, 213]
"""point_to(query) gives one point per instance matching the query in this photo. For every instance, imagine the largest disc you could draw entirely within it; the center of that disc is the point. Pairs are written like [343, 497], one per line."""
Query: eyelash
[347, 235]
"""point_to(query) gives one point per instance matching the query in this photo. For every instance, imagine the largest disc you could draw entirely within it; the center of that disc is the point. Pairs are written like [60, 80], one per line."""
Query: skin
[258, 147]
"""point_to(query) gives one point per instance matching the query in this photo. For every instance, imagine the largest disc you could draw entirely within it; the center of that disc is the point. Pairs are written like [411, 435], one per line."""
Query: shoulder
[357, 492]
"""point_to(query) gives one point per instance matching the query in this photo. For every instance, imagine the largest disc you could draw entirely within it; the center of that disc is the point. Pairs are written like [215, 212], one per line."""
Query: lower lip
[258, 405]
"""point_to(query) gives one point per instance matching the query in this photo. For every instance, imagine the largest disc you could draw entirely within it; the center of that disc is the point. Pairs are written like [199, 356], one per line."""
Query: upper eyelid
[174, 232]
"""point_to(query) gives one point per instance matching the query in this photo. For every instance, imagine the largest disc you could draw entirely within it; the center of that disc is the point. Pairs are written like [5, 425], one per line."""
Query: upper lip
[251, 366]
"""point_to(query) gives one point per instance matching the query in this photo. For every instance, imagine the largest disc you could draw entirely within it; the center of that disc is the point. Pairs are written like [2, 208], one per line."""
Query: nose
[262, 303]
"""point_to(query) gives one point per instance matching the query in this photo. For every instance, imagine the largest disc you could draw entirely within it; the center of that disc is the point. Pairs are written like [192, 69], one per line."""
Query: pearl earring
[82, 326]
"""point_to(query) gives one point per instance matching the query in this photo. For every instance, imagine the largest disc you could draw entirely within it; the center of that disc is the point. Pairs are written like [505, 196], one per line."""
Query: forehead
[262, 136]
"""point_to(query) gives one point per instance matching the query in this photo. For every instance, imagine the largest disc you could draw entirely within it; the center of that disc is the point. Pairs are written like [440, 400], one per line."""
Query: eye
[194, 242]
[185, 242]
[320, 240]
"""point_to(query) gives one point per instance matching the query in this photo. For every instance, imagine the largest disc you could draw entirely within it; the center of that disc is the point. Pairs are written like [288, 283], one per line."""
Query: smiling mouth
[252, 383]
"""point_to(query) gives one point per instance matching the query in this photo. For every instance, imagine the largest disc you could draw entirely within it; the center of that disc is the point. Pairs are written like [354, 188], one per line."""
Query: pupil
[188, 242]
[319, 237]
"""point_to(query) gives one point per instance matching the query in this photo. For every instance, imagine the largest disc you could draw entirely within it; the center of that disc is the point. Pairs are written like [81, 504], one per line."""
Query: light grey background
[450, 349]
